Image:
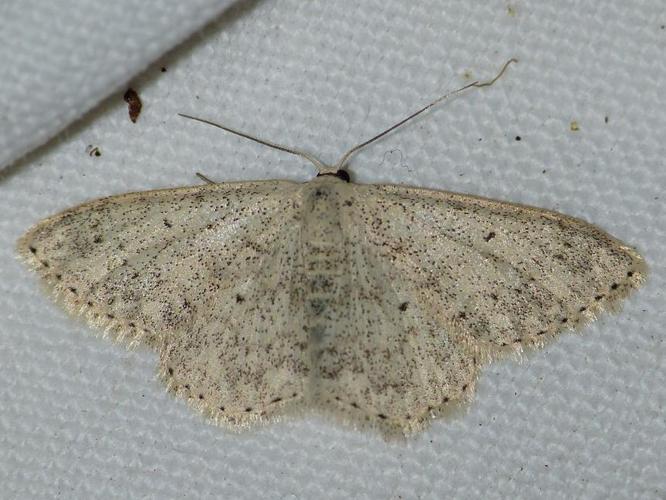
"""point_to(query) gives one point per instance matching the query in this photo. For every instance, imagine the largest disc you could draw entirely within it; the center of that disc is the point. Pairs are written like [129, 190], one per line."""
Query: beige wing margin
[502, 275]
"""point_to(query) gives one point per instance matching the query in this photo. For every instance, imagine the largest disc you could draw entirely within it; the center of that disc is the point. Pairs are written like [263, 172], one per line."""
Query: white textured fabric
[61, 58]
[583, 418]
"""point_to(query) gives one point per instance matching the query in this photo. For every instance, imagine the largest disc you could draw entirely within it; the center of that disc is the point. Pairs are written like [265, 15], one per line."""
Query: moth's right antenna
[321, 166]
[348, 154]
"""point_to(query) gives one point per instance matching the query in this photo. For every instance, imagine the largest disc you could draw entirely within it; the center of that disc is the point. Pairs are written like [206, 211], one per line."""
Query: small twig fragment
[133, 104]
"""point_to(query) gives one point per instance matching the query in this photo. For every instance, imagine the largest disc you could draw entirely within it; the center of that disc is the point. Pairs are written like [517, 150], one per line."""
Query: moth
[376, 304]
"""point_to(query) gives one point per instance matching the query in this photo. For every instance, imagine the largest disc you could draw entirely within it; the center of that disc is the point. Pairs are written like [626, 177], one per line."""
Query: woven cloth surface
[582, 418]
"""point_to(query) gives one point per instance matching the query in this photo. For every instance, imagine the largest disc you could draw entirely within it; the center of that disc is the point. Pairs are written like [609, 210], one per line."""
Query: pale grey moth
[378, 304]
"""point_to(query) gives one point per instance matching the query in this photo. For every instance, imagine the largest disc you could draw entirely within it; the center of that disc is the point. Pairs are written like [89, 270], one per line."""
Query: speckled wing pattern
[192, 272]
[375, 303]
[436, 284]
[497, 273]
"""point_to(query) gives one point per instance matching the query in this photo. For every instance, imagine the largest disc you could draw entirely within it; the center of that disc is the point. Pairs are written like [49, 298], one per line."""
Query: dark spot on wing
[317, 306]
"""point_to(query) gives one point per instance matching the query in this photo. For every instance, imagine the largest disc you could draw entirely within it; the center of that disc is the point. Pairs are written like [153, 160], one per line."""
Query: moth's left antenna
[321, 166]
